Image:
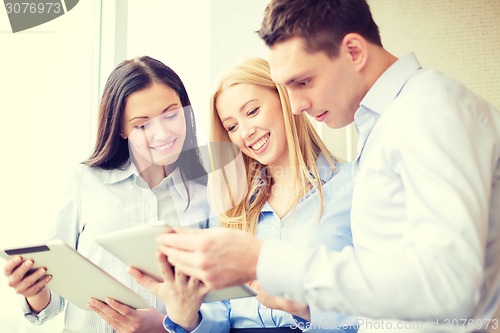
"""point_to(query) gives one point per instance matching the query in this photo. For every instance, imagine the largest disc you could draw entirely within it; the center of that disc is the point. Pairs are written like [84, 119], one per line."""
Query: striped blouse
[98, 201]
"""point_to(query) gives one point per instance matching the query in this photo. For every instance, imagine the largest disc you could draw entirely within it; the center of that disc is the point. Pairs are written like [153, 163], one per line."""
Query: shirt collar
[128, 169]
[325, 172]
[121, 173]
[390, 83]
[382, 94]
[175, 180]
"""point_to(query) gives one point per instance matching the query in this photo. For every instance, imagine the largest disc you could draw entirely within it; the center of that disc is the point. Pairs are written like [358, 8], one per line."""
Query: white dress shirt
[425, 214]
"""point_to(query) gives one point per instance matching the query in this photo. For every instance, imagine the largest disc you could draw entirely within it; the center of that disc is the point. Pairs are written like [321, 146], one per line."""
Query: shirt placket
[166, 205]
[364, 125]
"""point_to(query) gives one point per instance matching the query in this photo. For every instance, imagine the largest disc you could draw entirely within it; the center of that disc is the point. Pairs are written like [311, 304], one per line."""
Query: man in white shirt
[426, 200]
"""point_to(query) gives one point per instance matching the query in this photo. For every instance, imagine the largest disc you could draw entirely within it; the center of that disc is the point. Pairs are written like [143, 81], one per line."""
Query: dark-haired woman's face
[155, 126]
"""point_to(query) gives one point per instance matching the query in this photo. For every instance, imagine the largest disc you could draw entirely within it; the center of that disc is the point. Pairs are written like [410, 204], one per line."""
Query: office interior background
[51, 78]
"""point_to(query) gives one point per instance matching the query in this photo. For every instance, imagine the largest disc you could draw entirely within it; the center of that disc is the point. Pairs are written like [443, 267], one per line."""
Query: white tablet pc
[75, 277]
[137, 247]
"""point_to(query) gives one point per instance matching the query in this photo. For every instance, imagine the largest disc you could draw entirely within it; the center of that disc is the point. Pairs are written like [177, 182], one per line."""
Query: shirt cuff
[172, 327]
[278, 262]
[204, 326]
[56, 304]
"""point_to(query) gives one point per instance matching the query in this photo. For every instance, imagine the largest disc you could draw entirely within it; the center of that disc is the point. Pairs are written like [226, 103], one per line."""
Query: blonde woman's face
[253, 118]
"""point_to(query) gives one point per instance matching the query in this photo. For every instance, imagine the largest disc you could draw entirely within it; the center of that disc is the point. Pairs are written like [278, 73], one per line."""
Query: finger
[199, 286]
[178, 257]
[103, 309]
[135, 273]
[22, 282]
[183, 238]
[196, 284]
[11, 265]
[37, 286]
[122, 309]
[144, 280]
[189, 270]
[112, 315]
[256, 285]
[19, 273]
[166, 269]
[252, 284]
[180, 278]
[203, 289]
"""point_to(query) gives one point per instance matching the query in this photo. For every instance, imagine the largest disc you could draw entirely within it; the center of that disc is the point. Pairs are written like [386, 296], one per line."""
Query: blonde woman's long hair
[238, 185]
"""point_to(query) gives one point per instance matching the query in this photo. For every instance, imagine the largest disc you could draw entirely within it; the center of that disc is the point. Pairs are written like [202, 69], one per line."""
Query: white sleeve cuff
[55, 306]
[279, 262]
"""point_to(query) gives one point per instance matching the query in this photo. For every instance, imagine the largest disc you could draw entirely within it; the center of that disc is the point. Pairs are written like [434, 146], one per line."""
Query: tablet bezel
[74, 277]
[137, 247]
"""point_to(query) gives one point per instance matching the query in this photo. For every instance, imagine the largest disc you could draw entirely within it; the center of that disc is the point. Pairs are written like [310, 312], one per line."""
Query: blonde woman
[288, 187]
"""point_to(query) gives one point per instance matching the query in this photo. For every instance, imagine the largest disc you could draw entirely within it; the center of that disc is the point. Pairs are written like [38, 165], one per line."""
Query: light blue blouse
[300, 226]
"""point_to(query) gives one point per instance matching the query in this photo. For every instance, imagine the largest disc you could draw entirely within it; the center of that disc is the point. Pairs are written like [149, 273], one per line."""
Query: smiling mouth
[164, 147]
[262, 141]
[320, 115]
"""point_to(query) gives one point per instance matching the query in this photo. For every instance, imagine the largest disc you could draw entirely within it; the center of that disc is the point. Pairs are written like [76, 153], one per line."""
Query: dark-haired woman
[145, 162]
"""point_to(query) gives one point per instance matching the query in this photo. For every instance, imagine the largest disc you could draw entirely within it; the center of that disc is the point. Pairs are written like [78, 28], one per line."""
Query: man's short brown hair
[321, 23]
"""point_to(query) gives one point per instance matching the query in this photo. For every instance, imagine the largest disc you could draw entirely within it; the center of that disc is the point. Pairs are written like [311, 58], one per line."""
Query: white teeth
[259, 144]
[168, 145]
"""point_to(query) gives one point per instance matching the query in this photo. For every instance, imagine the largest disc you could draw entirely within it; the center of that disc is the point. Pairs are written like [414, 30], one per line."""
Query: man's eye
[303, 83]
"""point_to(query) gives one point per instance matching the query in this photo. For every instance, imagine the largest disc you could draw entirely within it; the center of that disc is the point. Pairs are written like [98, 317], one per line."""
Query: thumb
[144, 280]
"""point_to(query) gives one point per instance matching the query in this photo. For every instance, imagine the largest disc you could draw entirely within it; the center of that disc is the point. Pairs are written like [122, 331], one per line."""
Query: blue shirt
[99, 201]
[301, 226]
[425, 213]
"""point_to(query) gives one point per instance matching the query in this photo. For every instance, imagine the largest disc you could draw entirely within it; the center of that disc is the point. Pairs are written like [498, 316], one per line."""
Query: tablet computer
[137, 247]
[74, 277]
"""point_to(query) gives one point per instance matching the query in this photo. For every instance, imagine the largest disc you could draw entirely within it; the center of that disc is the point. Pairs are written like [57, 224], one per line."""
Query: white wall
[48, 92]
[176, 33]
[233, 36]
[458, 37]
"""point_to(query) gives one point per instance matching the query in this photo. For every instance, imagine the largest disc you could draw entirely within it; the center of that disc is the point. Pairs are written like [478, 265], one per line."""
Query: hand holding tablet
[74, 277]
[137, 247]
[78, 280]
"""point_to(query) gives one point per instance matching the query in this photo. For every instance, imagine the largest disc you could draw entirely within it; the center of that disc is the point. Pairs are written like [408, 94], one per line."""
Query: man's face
[326, 88]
